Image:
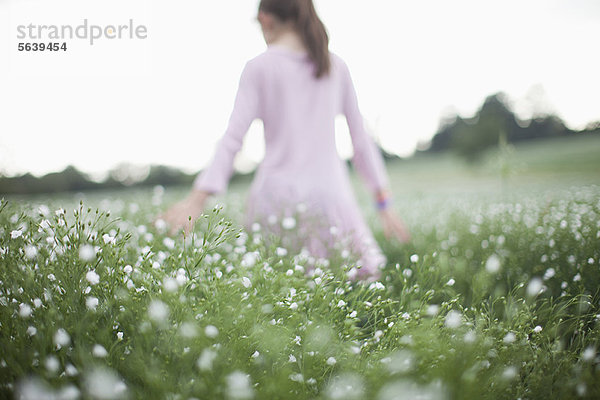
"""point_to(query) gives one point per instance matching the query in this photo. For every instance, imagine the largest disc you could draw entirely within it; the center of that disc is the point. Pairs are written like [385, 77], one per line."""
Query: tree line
[493, 122]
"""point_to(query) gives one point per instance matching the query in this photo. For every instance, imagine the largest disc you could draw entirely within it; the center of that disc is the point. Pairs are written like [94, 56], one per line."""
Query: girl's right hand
[178, 215]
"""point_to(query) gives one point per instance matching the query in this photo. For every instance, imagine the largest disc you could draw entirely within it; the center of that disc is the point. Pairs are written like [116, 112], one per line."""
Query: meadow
[496, 297]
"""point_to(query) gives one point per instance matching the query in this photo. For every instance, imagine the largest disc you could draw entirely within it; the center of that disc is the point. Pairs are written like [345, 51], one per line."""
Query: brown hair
[309, 25]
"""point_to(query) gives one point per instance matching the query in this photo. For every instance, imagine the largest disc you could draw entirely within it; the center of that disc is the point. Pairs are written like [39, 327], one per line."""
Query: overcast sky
[166, 99]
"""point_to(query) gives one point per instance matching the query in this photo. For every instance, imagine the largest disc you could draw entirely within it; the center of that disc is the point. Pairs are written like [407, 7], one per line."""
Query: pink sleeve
[215, 177]
[367, 159]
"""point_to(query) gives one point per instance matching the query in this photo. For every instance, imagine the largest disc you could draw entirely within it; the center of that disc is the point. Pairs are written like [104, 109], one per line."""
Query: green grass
[531, 165]
[496, 297]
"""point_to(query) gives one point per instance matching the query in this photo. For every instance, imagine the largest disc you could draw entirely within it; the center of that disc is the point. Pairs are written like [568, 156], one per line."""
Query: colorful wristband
[382, 204]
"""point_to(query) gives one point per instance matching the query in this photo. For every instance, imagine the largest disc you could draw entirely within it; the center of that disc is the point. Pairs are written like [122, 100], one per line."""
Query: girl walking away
[297, 87]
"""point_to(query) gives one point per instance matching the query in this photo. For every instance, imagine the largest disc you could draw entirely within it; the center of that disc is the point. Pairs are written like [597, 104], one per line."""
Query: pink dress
[302, 185]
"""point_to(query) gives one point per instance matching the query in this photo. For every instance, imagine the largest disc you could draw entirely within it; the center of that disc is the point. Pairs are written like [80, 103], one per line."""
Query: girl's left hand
[393, 226]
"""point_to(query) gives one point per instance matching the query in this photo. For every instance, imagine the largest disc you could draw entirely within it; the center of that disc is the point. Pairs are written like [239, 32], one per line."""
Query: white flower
[400, 361]
[92, 277]
[211, 331]
[45, 224]
[281, 252]
[292, 359]
[31, 251]
[37, 302]
[238, 386]
[510, 337]
[453, 319]
[294, 306]
[44, 210]
[180, 278]
[470, 337]
[550, 272]
[52, 364]
[31, 330]
[91, 302]
[492, 265]
[414, 258]
[297, 377]
[349, 386]
[206, 359]
[99, 351]
[341, 303]
[158, 311]
[128, 269]
[537, 329]
[61, 338]
[588, 354]
[432, 310]
[255, 354]
[16, 234]
[249, 259]
[108, 239]
[160, 225]
[331, 361]
[103, 384]
[288, 223]
[120, 335]
[169, 284]
[87, 252]
[534, 287]
[68, 392]
[451, 282]
[188, 330]
[169, 243]
[509, 373]
[246, 282]
[70, 370]
[376, 285]
[24, 310]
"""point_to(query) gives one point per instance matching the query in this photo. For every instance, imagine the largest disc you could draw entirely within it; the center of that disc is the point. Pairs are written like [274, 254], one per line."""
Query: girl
[297, 87]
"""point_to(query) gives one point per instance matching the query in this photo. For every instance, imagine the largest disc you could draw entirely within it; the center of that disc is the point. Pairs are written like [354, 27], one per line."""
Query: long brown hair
[309, 25]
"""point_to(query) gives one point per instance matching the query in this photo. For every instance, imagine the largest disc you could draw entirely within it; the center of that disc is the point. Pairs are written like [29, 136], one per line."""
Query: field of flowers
[495, 298]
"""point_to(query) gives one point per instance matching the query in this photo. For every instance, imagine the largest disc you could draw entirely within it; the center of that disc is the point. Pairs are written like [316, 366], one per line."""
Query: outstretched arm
[368, 160]
[215, 177]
